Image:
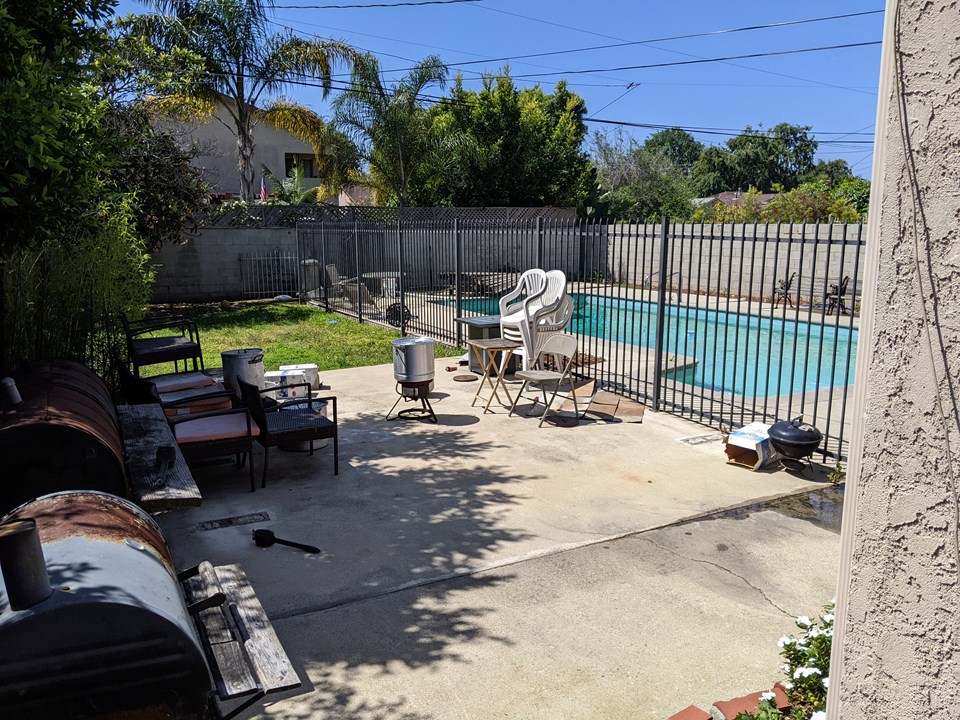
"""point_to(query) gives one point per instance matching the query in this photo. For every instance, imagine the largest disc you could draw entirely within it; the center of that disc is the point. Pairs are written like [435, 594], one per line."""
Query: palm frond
[185, 108]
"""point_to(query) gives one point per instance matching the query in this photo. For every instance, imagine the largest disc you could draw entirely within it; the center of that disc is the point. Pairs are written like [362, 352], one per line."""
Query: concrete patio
[483, 567]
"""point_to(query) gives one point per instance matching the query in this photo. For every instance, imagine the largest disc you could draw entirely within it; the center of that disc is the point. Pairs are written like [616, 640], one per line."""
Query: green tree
[782, 156]
[390, 124]
[513, 148]
[831, 172]
[51, 130]
[245, 64]
[810, 202]
[69, 256]
[677, 145]
[637, 183]
[856, 191]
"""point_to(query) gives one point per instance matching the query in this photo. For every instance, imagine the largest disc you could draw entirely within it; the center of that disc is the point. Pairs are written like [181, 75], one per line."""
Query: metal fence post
[661, 316]
[356, 260]
[323, 277]
[539, 241]
[400, 283]
[457, 277]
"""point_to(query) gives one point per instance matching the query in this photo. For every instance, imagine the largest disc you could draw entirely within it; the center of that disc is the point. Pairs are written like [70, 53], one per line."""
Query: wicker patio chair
[183, 345]
[295, 421]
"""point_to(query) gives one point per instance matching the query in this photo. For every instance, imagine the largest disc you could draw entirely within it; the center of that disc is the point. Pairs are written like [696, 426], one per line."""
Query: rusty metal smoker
[92, 619]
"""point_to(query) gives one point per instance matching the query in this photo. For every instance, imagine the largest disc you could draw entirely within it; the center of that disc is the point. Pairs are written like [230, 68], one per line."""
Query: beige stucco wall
[897, 651]
[219, 147]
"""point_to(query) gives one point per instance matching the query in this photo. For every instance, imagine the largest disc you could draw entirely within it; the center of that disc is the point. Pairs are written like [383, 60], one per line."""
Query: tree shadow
[415, 511]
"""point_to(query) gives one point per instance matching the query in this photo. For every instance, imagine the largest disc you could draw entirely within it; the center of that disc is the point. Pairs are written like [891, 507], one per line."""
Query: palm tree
[292, 189]
[390, 125]
[245, 63]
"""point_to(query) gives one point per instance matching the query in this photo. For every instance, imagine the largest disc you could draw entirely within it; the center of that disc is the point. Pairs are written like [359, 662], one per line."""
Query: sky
[834, 90]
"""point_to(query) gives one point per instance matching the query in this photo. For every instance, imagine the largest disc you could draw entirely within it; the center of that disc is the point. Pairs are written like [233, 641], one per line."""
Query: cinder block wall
[207, 266]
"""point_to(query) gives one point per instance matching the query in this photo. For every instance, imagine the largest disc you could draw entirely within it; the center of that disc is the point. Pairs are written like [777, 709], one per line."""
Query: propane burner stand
[411, 392]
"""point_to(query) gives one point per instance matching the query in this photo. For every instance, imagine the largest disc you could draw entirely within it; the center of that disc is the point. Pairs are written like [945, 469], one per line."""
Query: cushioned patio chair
[295, 421]
[212, 434]
[177, 393]
[552, 370]
[176, 347]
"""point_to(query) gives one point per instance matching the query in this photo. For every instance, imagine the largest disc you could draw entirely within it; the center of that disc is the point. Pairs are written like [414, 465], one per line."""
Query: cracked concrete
[483, 567]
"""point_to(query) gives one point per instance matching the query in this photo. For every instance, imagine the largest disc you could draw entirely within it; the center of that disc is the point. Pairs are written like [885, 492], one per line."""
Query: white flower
[767, 695]
[787, 685]
[826, 682]
[828, 618]
[804, 622]
[819, 715]
[805, 672]
[784, 641]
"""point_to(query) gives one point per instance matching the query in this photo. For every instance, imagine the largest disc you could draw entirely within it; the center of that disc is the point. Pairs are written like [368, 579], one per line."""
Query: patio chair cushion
[174, 382]
[199, 405]
[217, 427]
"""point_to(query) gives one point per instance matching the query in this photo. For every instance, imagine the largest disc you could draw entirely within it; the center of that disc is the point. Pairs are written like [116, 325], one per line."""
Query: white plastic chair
[531, 285]
[539, 315]
[562, 350]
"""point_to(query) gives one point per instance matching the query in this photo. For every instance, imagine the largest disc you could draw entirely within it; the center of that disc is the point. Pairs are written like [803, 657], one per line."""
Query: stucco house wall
[218, 146]
[897, 645]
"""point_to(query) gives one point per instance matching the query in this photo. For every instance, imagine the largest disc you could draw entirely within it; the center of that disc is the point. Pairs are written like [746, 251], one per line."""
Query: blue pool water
[745, 355]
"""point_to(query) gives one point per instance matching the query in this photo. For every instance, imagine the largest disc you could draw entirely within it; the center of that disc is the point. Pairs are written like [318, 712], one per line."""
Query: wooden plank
[270, 663]
[230, 669]
[144, 429]
[231, 673]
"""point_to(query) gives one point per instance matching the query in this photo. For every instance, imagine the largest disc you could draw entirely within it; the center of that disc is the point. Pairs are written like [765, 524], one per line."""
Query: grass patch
[291, 334]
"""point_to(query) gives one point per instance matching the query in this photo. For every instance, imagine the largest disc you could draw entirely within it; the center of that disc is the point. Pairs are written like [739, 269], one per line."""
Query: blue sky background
[834, 91]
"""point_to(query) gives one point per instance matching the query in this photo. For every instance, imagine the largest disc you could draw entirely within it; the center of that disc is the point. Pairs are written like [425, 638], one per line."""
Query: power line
[373, 5]
[668, 38]
[618, 84]
[613, 37]
[700, 61]
[696, 130]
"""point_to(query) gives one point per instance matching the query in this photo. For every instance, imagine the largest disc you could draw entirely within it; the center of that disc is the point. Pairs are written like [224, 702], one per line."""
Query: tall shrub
[62, 297]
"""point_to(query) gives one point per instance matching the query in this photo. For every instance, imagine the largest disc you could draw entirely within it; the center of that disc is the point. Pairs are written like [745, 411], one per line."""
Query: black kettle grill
[795, 440]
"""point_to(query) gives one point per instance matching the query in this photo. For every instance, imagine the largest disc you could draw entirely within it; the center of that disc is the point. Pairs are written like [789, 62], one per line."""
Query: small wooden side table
[488, 353]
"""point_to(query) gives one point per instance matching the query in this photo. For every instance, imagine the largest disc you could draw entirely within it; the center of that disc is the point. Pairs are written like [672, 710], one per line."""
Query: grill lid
[794, 438]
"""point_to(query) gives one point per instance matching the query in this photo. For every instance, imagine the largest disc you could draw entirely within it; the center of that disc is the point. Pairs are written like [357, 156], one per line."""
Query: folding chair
[561, 350]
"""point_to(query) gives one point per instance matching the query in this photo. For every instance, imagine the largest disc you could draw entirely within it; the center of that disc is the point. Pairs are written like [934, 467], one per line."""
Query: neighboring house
[354, 196]
[732, 198]
[277, 149]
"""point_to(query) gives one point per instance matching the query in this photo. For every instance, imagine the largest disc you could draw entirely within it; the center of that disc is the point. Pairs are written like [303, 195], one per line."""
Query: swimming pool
[746, 355]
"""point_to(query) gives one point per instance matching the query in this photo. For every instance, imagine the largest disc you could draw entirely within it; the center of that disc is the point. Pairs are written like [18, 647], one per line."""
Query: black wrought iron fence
[723, 324]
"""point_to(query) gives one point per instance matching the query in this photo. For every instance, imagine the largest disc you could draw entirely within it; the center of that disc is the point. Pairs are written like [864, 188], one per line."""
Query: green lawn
[291, 334]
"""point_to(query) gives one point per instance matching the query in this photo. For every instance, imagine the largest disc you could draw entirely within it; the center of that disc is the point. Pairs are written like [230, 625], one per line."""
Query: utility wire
[668, 38]
[701, 61]
[613, 37]
[373, 5]
[441, 100]
[619, 84]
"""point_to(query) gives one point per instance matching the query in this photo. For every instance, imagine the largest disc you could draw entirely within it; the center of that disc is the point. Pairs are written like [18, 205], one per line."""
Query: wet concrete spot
[823, 507]
[721, 547]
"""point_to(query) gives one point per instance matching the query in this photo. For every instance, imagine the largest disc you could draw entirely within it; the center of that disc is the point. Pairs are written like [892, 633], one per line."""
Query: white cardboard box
[750, 447]
[310, 371]
[281, 379]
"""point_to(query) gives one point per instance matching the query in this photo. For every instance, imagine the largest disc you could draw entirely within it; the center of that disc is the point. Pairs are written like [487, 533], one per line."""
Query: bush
[807, 670]
[61, 298]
